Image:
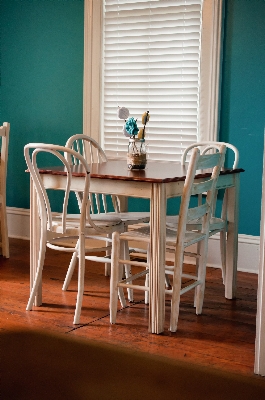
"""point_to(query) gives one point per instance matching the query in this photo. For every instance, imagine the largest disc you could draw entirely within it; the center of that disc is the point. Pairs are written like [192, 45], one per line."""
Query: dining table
[159, 181]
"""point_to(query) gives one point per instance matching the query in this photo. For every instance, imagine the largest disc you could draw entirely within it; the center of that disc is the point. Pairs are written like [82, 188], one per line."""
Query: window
[161, 56]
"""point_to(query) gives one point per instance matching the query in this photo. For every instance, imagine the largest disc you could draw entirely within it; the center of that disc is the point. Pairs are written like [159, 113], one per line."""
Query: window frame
[212, 14]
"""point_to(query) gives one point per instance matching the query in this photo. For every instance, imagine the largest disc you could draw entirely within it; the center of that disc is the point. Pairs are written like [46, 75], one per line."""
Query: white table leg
[157, 259]
[34, 241]
[232, 239]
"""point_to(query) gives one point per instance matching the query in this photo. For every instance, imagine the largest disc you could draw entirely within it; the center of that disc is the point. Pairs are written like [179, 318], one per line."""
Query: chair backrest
[4, 143]
[32, 151]
[93, 153]
[211, 163]
[213, 146]
[88, 147]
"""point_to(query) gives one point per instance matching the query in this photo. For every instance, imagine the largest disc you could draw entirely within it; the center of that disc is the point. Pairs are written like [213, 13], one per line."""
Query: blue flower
[131, 126]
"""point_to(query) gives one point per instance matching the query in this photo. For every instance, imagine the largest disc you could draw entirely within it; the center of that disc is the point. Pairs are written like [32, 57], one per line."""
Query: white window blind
[151, 61]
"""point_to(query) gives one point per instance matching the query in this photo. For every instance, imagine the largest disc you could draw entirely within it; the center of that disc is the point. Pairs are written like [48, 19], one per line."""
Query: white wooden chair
[4, 142]
[57, 227]
[217, 225]
[93, 153]
[176, 240]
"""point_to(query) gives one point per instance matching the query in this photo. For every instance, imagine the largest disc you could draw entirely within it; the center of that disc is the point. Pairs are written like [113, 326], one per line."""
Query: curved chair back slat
[43, 198]
[93, 153]
[207, 146]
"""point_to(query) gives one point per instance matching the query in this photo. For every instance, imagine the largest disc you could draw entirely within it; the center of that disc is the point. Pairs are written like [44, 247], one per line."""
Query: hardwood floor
[223, 337]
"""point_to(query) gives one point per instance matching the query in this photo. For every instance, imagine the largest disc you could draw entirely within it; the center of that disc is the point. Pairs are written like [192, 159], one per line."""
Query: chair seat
[73, 220]
[106, 219]
[143, 234]
[131, 217]
[215, 223]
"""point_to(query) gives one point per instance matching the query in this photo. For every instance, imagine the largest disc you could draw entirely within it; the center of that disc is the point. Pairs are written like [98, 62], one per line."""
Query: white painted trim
[18, 221]
[209, 68]
[92, 68]
[248, 246]
[259, 367]
[248, 253]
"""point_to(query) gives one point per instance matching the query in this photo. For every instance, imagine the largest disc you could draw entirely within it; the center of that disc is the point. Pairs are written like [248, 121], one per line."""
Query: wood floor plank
[223, 337]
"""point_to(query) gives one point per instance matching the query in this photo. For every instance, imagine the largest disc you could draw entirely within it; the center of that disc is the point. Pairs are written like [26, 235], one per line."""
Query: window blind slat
[151, 62]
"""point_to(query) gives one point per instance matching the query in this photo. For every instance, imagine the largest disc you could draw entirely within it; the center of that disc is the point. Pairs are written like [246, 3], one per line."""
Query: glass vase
[136, 156]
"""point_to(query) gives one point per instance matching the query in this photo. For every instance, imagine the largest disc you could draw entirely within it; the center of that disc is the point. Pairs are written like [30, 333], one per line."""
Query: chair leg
[167, 282]
[146, 293]
[38, 277]
[176, 287]
[71, 268]
[81, 279]
[107, 268]
[127, 268]
[107, 265]
[114, 276]
[175, 304]
[223, 235]
[223, 253]
[120, 289]
[197, 269]
[201, 277]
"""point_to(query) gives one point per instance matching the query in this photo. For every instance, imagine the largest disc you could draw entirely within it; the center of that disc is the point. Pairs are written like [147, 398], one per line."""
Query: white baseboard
[248, 253]
[248, 246]
[18, 221]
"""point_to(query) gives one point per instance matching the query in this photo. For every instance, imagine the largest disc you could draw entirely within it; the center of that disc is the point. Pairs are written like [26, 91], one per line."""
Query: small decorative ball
[123, 112]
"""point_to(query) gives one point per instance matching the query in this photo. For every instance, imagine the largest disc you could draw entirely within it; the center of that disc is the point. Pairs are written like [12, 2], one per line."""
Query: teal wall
[243, 100]
[41, 88]
[41, 79]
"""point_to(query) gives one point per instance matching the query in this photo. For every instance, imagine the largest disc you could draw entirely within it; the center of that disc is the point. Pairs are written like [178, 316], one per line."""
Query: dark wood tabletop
[157, 172]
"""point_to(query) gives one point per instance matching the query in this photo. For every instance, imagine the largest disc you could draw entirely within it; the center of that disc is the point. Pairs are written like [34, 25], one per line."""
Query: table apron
[128, 188]
[104, 186]
[227, 181]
